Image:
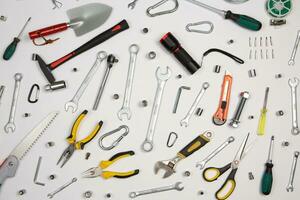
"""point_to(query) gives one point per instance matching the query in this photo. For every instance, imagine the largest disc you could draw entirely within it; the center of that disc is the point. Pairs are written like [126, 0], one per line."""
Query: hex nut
[279, 113]
[108, 195]
[201, 192]
[116, 96]
[251, 117]
[88, 194]
[144, 103]
[151, 55]
[145, 30]
[285, 143]
[179, 76]
[52, 177]
[187, 173]
[50, 144]
[87, 155]
[21, 192]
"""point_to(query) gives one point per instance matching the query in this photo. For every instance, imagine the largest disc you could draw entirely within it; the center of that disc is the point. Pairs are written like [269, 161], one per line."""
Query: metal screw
[187, 173]
[26, 115]
[145, 30]
[108, 195]
[50, 144]
[199, 112]
[279, 113]
[87, 155]
[252, 73]
[285, 143]
[250, 175]
[179, 76]
[144, 103]
[217, 69]
[22, 192]
[52, 176]
[116, 96]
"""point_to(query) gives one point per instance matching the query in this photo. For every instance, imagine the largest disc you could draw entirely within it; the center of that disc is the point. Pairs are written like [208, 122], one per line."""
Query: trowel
[83, 19]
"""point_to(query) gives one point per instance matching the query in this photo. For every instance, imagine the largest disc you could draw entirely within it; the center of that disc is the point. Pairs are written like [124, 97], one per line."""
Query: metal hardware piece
[10, 126]
[209, 30]
[3, 18]
[162, 77]
[177, 186]
[250, 176]
[252, 73]
[57, 4]
[185, 121]
[132, 4]
[202, 163]
[116, 142]
[285, 144]
[236, 119]
[36, 96]
[217, 69]
[37, 172]
[293, 56]
[125, 111]
[280, 113]
[151, 55]
[290, 186]
[51, 195]
[88, 194]
[21, 192]
[178, 97]
[171, 143]
[162, 12]
[293, 83]
[2, 88]
[277, 22]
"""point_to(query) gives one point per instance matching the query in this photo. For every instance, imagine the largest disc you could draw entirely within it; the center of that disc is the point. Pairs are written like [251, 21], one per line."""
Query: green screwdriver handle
[244, 21]
[267, 180]
[10, 50]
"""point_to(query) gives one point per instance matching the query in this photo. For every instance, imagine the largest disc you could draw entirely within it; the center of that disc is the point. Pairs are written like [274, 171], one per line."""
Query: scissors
[211, 174]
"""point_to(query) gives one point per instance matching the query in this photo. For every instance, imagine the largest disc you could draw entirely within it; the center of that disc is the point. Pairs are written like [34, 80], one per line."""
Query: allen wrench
[162, 12]
[37, 172]
[178, 97]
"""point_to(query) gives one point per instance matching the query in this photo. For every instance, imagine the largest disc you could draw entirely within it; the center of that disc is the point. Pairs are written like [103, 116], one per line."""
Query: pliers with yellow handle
[99, 170]
[73, 144]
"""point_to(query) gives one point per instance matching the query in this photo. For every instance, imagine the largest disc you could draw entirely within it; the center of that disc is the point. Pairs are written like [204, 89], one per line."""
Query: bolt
[50, 144]
[217, 69]
[87, 155]
[116, 96]
[250, 175]
[199, 112]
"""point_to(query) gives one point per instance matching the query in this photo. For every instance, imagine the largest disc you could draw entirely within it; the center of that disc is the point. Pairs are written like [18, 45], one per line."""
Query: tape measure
[279, 8]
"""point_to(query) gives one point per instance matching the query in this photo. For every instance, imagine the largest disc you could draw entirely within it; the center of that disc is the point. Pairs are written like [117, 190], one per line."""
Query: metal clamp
[162, 12]
[116, 142]
[210, 24]
[170, 142]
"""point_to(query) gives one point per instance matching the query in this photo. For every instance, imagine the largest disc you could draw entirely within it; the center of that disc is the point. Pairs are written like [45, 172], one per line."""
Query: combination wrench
[162, 78]
[125, 110]
[202, 163]
[177, 186]
[73, 104]
[186, 119]
[290, 186]
[293, 85]
[294, 52]
[10, 126]
[51, 195]
[132, 4]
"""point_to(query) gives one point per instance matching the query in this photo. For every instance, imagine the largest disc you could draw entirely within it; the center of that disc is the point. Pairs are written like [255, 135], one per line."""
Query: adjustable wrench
[125, 110]
[214, 153]
[177, 186]
[290, 186]
[73, 104]
[293, 56]
[293, 85]
[186, 119]
[162, 78]
[10, 126]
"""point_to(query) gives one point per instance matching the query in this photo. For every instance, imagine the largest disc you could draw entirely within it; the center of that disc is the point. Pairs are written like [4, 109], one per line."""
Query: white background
[144, 88]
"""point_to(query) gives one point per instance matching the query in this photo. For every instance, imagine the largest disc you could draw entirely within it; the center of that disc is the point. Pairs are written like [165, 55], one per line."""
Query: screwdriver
[263, 115]
[10, 50]
[267, 180]
[241, 20]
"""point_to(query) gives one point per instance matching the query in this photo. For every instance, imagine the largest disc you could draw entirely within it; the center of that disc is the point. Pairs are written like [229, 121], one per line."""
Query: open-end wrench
[73, 104]
[293, 56]
[162, 77]
[202, 163]
[10, 126]
[51, 195]
[290, 186]
[293, 85]
[177, 186]
[125, 110]
[185, 121]
[132, 4]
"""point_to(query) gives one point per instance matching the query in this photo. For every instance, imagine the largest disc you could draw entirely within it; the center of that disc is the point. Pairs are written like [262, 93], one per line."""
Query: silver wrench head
[101, 55]
[10, 127]
[163, 75]
[290, 188]
[72, 105]
[18, 76]
[134, 48]
[293, 82]
[164, 165]
[147, 146]
[124, 113]
[179, 186]
[131, 5]
[184, 122]
[295, 131]
[291, 62]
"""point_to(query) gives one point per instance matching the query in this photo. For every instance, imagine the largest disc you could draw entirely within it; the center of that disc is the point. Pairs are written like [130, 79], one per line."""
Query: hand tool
[293, 83]
[176, 5]
[57, 4]
[177, 186]
[117, 141]
[172, 45]
[236, 119]
[73, 143]
[10, 165]
[279, 8]
[51, 195]
[211, 174]
[178, 97]
[35, 181]
[99, 170]
[83, 19]
[220, 117]
[2, 88]
[202, 163]
[241, 20]
[290, 186]
[293, 56]
[185, 121]
[267, 180]
[263, 115]
[111, 59]
[171, 143]
[47, 68]
[10, 126]
[132, 4]
[207, 23]
[162, 77]
[36, 96]
[192, 147]
[125, 110]
[73, 103]
[10, 50]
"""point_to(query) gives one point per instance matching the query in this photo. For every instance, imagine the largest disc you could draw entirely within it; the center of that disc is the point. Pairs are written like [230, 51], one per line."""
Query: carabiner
[174, 140]
[162, 12]
[115, 143]
[37, 92]
[210, 24]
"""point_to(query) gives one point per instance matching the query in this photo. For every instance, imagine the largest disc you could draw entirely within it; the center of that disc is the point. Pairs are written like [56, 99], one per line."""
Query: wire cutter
[211, 174]
[74, 145]
[99, 170]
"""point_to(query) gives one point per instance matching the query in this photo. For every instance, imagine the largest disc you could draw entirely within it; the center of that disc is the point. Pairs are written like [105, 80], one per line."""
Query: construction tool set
[195, 118]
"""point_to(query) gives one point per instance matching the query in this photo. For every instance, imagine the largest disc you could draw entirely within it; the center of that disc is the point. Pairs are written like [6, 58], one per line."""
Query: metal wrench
[214, 153]
[10, 126]
[177, 186]
[73, 104]
[293, 85]
[162, 78]
[51, 195]
[132, 4]
[186, 119]
[293, 56]
[290, 186]
[125, 110]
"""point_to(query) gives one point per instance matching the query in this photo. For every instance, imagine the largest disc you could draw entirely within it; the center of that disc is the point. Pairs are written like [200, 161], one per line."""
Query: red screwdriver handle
[48, 30]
